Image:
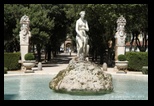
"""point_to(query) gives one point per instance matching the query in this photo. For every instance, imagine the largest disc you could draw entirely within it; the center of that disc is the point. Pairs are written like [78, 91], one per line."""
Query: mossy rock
[82, 78]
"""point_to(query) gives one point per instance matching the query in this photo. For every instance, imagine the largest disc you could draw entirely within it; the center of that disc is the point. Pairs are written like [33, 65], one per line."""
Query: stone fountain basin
[121, 64]
[29, 64]
[35, 87]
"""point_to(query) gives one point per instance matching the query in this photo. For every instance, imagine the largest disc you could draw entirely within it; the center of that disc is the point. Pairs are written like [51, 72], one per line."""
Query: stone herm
[24, 34]
[120, 37]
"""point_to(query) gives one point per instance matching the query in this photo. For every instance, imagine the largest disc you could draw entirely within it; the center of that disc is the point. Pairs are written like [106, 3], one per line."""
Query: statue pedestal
[120, 50]
[23, 50]
[83, 78]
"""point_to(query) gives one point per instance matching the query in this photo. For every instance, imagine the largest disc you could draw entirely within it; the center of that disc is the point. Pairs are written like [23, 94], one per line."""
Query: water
[36, 87]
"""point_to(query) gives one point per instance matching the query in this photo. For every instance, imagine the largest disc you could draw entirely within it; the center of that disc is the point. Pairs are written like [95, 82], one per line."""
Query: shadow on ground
[60, 59]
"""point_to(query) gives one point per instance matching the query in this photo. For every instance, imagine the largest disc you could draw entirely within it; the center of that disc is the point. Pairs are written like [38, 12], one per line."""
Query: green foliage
[50, 23]
[122, 57]
[11, 61]
[136, 60]
[29, 56]
[5, 70]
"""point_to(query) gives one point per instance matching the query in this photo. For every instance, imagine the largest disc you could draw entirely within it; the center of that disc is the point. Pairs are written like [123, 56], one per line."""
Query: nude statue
[81, 37]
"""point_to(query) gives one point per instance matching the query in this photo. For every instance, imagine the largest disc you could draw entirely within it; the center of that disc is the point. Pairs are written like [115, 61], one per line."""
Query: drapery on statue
[24, 33]
[81, 37]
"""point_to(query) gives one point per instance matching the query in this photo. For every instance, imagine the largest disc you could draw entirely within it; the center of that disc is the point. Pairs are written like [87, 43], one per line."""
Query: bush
[11, 61]
[122, 57]
[145, 70]
[5, 70]
[136, 60]
[29, 56]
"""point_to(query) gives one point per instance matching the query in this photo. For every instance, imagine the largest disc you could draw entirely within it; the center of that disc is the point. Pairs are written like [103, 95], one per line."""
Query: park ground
[59, 63]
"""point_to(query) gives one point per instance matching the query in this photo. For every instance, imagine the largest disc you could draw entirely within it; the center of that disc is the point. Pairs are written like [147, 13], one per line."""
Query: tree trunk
[102, 49]
[39, 52]
[33, 49]
[101, 58]
[93, 54]
[131, 43]
[142, 46]
[49, 54]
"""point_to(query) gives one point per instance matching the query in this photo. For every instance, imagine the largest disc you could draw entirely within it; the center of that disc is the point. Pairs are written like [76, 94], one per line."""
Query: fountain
[82, 76]
[34, 87]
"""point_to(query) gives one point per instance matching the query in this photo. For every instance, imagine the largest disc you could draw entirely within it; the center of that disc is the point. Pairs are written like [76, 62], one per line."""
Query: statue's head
[24, 20]
[24, 31]
[82, 14]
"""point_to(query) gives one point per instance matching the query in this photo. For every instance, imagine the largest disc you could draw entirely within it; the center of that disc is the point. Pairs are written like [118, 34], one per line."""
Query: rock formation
[82, 77]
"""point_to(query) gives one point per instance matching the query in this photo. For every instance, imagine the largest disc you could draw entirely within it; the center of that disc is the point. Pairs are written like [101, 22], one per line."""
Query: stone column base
[120, 50]
[23, 51]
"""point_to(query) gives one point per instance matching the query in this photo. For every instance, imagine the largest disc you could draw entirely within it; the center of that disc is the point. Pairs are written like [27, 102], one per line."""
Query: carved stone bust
[24, 33]
[120, 34]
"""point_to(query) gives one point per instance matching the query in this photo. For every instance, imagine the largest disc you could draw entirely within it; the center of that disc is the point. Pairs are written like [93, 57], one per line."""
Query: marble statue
[81, 37]
[82, 76]
[24, 34]
[120, 37]
[120, 34]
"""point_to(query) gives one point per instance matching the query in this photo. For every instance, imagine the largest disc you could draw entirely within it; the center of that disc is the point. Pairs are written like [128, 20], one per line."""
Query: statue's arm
[87, 27]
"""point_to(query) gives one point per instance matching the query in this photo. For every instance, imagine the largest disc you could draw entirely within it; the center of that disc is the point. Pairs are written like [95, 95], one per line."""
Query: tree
[58, 33]
[11, 27]
[102, 22]
[41, 25]
[138, 24]
[51, 23]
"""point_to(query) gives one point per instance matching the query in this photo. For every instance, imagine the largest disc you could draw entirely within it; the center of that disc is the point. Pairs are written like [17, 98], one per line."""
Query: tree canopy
[51, 23]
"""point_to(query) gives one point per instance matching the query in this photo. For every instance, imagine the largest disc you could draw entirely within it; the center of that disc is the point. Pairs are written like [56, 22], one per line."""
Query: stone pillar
[120, 37]
[23, 51]
[120, 50]
[24, 34]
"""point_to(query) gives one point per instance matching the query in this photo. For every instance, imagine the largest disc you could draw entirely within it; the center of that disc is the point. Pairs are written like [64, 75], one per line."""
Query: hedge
[145, 70]
[11, 61]
[29, 56]
[5, 70]
[122, 57]
[136, 60]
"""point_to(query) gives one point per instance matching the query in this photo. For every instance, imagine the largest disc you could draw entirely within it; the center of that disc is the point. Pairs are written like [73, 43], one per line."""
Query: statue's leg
[80, 47]
[85, 47]
[87, 51]
[77, 46]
